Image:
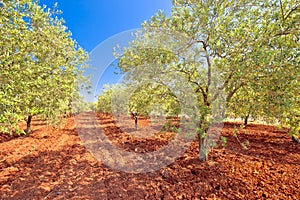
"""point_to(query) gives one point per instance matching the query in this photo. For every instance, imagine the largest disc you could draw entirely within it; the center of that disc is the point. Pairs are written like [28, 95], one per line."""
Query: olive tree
[39, 63]
[243, 42]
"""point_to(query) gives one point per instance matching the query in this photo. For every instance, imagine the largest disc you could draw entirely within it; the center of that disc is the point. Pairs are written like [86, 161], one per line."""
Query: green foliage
[223, 141]
[104, 100]
[245, 144]
[271, 89]
[167, 125]
[80, 105]
[135, 98]
[39, 63]
[244, 53]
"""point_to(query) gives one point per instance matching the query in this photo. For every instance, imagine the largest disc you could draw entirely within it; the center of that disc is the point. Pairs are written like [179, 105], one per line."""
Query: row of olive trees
[127, 99]
[251, 46]
[39, 64]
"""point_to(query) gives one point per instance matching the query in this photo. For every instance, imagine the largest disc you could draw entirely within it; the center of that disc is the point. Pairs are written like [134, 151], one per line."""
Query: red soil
[53, 164]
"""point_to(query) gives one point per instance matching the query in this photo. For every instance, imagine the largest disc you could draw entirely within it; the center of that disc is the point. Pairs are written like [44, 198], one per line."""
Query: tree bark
[135, 117]
[28, 125]
[202, 149]
[136, 122]
[203, 152]
[246, 120]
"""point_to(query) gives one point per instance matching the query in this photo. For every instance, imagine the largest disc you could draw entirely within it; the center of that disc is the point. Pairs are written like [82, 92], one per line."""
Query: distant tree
[104, 100]
[135, 100]
[245, 104]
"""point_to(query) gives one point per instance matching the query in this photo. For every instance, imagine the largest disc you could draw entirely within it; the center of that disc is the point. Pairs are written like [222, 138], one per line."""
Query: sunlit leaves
[253, 45]
[39, 62]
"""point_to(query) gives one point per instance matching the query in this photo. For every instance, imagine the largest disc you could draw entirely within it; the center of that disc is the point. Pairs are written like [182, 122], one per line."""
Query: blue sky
[93, 22]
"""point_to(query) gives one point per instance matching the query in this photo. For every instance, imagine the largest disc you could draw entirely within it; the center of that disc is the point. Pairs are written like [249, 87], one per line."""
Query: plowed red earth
[53, 164]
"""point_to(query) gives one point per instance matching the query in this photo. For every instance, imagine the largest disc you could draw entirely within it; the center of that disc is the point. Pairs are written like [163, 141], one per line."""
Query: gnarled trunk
[28, 125]
[135, 117]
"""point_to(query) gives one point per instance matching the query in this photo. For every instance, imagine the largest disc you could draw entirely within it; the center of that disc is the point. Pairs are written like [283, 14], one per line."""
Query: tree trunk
[246, 120]
[295, 139]
[202, 134]
[136, 122]
[28, 125]
[202, 149]
[134, 116]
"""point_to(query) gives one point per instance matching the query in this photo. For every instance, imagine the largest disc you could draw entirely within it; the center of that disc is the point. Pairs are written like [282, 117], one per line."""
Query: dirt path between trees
[54, 164]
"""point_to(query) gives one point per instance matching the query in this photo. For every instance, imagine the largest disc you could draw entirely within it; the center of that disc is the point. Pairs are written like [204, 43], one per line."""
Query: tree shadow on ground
[72, 173]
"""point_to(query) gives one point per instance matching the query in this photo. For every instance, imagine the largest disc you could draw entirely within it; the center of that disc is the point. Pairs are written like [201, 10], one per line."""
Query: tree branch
[208, 65]
[282, 13]
[296, 7]
[230, 95]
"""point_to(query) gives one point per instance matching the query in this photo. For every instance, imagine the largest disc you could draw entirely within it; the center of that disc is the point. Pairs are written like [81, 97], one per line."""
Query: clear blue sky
[94, 21]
